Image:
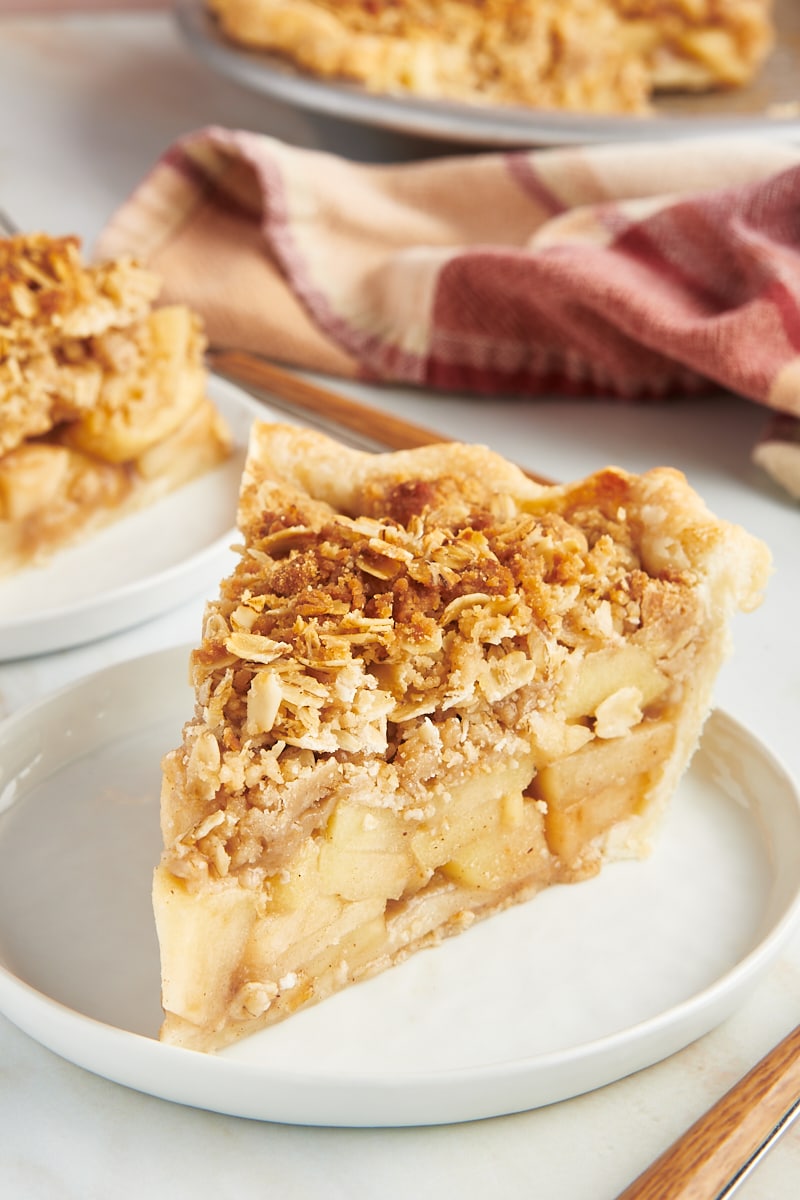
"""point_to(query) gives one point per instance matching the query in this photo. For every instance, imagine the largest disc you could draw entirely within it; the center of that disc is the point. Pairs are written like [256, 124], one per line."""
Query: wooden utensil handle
[374, 424]
[700, 1164]
[312, 398]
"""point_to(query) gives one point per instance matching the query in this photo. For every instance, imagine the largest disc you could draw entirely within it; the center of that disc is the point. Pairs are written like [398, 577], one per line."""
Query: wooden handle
[700, 1164]
[374, 424]
[311, 398]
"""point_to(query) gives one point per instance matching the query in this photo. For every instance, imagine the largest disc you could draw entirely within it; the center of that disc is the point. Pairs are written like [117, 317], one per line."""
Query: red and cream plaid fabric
[639, 271]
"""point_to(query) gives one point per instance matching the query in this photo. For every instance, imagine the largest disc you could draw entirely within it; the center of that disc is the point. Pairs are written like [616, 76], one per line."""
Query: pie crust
[103, 404]
[599, 56]
[429, 689]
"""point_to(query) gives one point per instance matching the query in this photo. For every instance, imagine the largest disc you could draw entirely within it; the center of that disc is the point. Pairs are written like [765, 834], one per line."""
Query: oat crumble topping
[432, 625]
[61, 324]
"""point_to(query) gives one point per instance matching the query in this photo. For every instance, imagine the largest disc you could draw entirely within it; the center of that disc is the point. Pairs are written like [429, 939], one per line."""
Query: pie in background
[598, 56]
[430, 688]
[103, 404]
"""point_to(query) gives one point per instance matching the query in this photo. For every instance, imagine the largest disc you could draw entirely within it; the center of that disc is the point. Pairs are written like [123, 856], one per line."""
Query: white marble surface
[86, 105]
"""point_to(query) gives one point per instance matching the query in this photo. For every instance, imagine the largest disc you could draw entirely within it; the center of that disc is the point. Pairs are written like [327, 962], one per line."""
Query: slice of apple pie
[103, 404]
[430, 688]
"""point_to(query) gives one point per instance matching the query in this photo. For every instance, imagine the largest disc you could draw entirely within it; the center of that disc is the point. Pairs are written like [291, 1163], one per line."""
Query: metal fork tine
[7, 227]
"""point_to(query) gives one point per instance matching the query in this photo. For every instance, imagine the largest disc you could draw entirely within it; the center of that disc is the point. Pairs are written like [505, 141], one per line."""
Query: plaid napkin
[639, 272]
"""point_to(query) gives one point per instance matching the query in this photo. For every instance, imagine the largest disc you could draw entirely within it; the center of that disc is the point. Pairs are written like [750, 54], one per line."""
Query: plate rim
[499, 126]
[392, 1098]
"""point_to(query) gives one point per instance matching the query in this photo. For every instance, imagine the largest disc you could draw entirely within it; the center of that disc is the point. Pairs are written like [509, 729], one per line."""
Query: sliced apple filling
[429, 689]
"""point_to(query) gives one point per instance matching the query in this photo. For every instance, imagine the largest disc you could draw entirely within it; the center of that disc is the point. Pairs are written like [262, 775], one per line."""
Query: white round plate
[138, 567]
[768, 107]
[584, 984]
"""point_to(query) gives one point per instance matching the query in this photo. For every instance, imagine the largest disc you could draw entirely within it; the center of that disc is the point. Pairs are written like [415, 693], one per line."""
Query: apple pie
[103, 404]
[429, 689]
[600, 56]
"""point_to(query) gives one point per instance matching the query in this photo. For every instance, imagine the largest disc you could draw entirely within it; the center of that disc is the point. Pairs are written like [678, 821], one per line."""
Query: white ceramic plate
[139, 567]
[581, 986]
[768, 107]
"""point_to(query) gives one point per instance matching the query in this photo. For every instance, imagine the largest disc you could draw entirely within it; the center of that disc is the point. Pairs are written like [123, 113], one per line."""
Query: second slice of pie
[104, 404]
[430, 688]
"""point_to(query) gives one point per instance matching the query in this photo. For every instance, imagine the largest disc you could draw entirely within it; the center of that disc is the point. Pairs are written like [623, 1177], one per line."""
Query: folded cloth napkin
[639, 272]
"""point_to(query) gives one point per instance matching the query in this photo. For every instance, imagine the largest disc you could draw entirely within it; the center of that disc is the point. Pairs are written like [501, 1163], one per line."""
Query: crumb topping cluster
[62, 325]
[435, 625]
